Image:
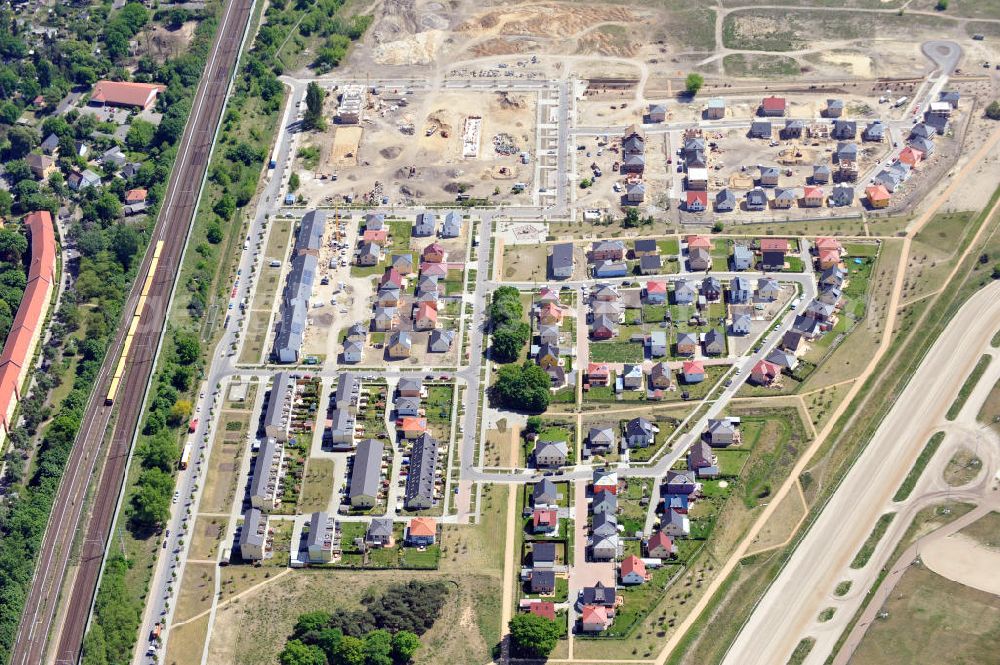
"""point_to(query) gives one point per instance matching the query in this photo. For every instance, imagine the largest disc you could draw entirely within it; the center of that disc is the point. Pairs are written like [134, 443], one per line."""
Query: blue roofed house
[874, 132]
[742, 258]
[843, 130]
[740, 290]
[684, 292]
[610, 268]
[425, 225]
[841, 196]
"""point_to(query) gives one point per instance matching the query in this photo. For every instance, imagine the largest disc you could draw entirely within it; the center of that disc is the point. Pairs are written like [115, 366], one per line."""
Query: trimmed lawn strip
[918, 467]
[866, 551]
[968, 386]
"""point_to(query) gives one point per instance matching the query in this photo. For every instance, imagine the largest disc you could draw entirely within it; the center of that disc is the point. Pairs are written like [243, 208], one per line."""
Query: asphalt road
[66, 520]
[804, 585]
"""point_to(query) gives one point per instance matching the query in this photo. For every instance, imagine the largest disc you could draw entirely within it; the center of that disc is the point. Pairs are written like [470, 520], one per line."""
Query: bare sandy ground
[961, 559]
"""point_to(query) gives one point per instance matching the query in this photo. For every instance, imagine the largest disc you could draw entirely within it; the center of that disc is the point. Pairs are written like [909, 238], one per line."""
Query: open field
[932, 620]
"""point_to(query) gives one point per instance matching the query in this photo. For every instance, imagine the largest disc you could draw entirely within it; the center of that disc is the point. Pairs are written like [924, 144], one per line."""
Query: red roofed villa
[764, 373]
[878, 196]
[693, 242]
[134, 196]
[773, 106]
[598, 374]
[543, 608]
[125, 93]
[594, 618]
[633, 570]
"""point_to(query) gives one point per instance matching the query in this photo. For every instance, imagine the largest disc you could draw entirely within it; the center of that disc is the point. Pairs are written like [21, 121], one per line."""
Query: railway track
[124, 378]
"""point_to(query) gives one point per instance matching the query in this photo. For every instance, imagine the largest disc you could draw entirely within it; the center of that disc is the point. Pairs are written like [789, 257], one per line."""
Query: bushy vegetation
[510, 332]
[13, 278]
[385, 632]
[523, 387]
[993, 110]
[533, 636]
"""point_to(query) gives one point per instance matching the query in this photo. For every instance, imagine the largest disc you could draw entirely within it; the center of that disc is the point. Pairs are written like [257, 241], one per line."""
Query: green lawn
[616, 352]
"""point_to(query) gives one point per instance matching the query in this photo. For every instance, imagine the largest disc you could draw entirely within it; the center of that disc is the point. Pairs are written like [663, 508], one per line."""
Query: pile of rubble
[504, 144]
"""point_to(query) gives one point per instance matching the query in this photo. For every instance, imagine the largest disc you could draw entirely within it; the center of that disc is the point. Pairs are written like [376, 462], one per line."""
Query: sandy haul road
[797, 595]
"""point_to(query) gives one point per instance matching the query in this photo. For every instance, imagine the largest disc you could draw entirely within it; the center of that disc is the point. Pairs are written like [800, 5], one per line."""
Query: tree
[378, 647]
[297, 653]
[160, 452]
[125, 243]
[631, 218]
[187, 349]
[508, 341]
[151, 500]
[180, 412]
[13, 245]
[533, 425]
[313, 118]
[523, 387]
[404, 646]
[693, 83]
[349, 651]
[993, 110]
[941, 5]
[532, 635]
[140, 134]
[225, 207]
[293, 182]
[585, 183]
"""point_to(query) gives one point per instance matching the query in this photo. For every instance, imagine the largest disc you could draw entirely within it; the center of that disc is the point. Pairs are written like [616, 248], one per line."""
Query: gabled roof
[774, 245]
[423, 526]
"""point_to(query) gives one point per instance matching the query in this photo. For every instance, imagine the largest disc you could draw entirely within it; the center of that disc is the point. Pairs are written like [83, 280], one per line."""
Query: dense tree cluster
[385, 632]
[533, 636]
[523, 387]
[510, 333]
[13, 279]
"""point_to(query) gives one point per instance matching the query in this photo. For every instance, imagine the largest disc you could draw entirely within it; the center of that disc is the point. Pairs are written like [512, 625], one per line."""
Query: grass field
[962, 468]
[918, 467]
[748, 65]
[985, 530]
[868, 548]
[933, 620]
[317, 486]
[968, 386]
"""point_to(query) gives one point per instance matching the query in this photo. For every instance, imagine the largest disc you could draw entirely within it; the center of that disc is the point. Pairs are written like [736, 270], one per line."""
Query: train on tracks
[119, 375]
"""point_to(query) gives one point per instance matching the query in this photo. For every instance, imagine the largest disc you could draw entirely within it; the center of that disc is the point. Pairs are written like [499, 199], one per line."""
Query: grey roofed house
[660, 374]
[821, 173]
[347, 390]
[601, 438]
[785, 195]
[407, 406]
[700, 456]
[604, 524]
[684, 291]
[440, 340]
[366, 474]
[741, 325]
[130, 169]
[543, 581]
[740, 289]
[715, 342]
[889, 179]
[769, 174]
[950, 96]
[639, 432]
[423, 471]
[842, 196]
[310, 233]
[768, 288]
[561, 260]
[428, 284]
[635, 192]
[807, 326]
[557, 375]
[687, 339]
[609, 308]
[374, 221]
[742, 257]
[634, 162]
[50, 144]
[760, 129]
[605, 292]
[550, 453]
[922, 144]
[384, 317]
[725, 201]
[675, 524]
[543, 554]
[922, 130]
[548, 334]
[263, 485]
[633, 144]
[711, 287]
[819, 310]
[604, 502]
[322, 537]
[425, 225]
[782, 359]
[646, 246]
[291, 328]
[380, 531]
[846, 151]
[403, 263]
[252, 535]
[544, 493]
[548, 350]
[353, 351]
[844, 129]
[605, 547]
[114, 155]
[452, 226]
[791, 341]
[277, 415]
[834, 108]
[657, 112]
[410, 385]
[598, 595]
[792, 129]
[699, 258]
[369, 253]
[341, 426]
[602, 325]
[938, 122]
[830, 295]
[357, 331]
[874, 131]
[756, 199]
[401, 340]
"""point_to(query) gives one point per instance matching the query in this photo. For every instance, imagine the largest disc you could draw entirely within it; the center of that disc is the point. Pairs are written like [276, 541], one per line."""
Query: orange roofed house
[421, 532]
[594, 618]
[26, 329]
[598, 374]
[878, 196]
[125, 94]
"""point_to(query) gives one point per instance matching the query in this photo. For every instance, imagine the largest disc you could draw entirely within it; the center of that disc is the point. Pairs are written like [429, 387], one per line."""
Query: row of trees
[385, 632]
[524, 387]
[509, 331]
